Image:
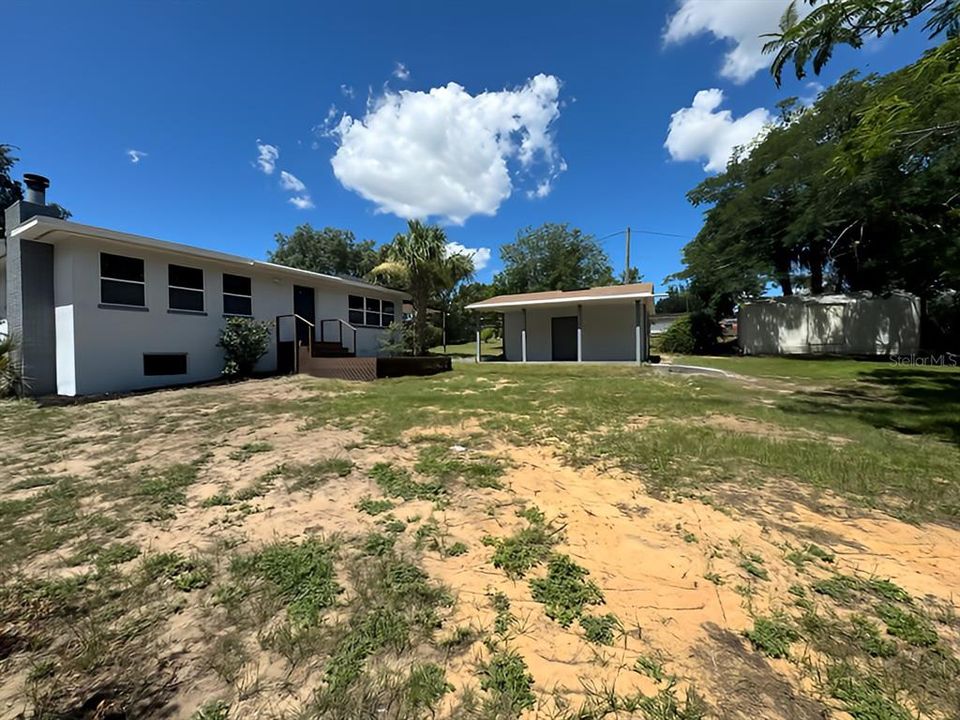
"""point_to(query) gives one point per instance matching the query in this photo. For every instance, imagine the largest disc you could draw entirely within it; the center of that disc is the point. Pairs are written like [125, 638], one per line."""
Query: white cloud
[267, 157]
[701, 131]
[401, 71]
[447, 153]
[301, 202]
[289, 181]
[480, 256]
[136, 156]
[740, 22]
[347, 91]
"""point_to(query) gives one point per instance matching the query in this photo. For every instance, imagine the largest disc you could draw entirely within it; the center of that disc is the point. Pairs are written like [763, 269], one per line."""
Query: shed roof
[609, 293]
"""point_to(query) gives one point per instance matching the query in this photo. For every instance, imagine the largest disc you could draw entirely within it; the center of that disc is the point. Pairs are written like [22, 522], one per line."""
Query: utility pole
[626, 269]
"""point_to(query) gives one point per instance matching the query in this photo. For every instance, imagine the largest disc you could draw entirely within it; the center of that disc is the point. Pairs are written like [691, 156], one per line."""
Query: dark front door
[564, 338]
[305, 306]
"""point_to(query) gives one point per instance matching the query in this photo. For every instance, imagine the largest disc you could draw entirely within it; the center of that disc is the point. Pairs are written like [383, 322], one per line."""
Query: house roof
[46, 227]
[609, 293]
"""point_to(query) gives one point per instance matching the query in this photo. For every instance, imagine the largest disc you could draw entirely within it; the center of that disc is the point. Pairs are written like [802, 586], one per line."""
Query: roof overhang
[572, 302]
[53, 229]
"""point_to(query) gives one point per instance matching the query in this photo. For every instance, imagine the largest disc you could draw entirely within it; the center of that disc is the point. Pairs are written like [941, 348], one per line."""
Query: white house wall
[608, 331]
[109, 343]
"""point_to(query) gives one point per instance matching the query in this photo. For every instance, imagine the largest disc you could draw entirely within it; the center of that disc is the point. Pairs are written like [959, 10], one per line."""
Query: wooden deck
[370, 368]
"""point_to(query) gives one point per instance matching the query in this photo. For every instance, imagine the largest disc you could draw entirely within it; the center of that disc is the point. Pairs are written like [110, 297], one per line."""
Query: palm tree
[418, 261]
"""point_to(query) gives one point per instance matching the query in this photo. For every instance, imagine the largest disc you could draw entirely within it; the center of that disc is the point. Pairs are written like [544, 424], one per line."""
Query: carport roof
[634, 291]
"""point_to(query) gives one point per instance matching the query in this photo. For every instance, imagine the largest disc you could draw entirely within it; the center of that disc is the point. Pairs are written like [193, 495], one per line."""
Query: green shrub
[10, 377]
[397, 339]
[244, 342]
[695, 333]
[489, 333]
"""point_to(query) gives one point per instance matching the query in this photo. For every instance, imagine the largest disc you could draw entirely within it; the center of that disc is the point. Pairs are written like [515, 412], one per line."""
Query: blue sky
[561, 114]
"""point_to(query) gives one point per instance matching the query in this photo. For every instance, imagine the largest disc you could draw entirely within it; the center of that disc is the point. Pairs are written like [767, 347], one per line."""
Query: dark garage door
[564, 338]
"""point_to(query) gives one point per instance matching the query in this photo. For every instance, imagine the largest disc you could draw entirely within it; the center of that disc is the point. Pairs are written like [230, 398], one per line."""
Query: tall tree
[812, 39]
[552, 257]
[331, 250]
[10, 190]
[831, 199]
[418, 262]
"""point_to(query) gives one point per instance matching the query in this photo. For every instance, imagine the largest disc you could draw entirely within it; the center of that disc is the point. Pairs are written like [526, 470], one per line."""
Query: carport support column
[579, 333]
[477, 321]
[638, 340]
[523, 337]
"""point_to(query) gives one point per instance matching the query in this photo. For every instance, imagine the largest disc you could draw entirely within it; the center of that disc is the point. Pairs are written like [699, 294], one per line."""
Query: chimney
[36, 188]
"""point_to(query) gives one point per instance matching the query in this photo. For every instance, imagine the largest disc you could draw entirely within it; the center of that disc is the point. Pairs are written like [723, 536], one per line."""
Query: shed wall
[840, 326]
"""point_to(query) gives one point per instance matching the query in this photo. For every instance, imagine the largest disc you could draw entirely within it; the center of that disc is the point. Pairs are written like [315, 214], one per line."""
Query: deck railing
[340, 325]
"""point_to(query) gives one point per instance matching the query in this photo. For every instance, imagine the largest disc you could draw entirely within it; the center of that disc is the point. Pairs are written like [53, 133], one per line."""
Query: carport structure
[610, 323]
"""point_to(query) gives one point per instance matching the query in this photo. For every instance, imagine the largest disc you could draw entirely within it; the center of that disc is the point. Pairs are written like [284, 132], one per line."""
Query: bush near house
[244, 342]
[695, 333]
[10, 378]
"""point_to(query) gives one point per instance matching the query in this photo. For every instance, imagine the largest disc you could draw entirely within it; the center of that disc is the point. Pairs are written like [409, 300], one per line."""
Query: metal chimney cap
[36, 182]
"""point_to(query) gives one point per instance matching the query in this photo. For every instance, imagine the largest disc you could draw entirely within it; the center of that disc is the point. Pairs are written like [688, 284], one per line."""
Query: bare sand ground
[649, 556]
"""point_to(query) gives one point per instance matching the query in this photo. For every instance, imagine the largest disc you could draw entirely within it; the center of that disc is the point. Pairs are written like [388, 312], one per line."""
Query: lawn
[496, 542]
[489, 349]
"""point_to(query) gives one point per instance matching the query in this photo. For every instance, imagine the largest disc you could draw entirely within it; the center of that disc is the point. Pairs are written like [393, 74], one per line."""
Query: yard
[497, 542]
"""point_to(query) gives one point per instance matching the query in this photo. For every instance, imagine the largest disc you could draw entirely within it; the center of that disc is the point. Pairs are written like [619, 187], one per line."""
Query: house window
[237, 296]
[165, 364]
[122, 281]
[186, 288]
[371, 312]
[355, 313]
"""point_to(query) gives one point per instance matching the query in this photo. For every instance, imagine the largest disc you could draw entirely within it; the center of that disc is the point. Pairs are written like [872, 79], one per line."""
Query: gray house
[96, 310]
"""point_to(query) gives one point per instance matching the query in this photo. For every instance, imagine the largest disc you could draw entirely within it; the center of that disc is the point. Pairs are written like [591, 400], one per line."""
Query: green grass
[506, 678]
[488, 350]
[651, 667]
[398, 482]
[186, 574]
[248, 450]
[446, 465]
[302, 576]
[565, 591]
[371, 506]
[772, 636]
[600, 629]
[530, 546]
[896, 462]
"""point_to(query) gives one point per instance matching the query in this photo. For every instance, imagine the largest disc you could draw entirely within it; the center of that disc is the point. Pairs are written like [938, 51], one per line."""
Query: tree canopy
[11, 190]
[849, 194]
[552, 257]
[812, 39]
[331, 250]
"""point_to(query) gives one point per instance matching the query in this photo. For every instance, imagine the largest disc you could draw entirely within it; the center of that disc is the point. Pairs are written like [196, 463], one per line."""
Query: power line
[645, 232]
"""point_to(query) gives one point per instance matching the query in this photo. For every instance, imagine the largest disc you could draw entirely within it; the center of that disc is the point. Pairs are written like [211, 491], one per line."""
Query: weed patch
[772, 636]
[301, 576]
[183, 573]
[397, 482]
[564, 591]
[248, 450]
[525, 549]
[506, 678]
[600, 629]
[445, 465]
[374, 507]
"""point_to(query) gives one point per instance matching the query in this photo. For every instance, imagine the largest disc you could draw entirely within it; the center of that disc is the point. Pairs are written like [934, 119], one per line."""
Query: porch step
[331, 349]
